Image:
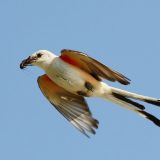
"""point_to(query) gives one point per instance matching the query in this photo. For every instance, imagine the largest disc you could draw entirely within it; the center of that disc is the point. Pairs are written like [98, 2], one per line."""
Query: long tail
[125, 99]
[147, 99]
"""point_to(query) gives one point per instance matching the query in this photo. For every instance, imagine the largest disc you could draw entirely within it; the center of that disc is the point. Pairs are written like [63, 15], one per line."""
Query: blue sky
[122, 34]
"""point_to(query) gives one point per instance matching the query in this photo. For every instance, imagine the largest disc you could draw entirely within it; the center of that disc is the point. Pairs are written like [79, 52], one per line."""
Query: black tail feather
[149, 116]
[140, 107]
[123, 98]
[156, 102]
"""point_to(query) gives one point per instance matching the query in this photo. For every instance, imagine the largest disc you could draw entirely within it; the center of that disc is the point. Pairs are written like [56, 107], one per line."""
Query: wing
[92, 66]
[73, 107]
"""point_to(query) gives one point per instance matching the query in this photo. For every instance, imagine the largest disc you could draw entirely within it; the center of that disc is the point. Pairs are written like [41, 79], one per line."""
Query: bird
[72, 76]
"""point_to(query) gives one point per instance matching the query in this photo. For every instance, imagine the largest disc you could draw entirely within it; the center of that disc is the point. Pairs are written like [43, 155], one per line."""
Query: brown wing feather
[92, 66]
[73, 107]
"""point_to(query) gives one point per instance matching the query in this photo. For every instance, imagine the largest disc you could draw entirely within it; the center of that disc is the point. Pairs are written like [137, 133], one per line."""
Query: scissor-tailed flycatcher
[74, 75]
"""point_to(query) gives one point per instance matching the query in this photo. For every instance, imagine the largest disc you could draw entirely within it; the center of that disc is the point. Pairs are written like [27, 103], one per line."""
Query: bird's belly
[67, 77]
[70, 82]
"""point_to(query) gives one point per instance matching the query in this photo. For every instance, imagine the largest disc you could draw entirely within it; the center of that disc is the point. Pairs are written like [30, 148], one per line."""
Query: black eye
[39, 55]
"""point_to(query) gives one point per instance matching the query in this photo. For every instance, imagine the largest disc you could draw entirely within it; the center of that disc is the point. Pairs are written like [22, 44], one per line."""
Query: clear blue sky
[123, 34]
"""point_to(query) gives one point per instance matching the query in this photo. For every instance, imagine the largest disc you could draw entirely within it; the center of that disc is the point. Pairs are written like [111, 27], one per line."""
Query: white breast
[65, 75]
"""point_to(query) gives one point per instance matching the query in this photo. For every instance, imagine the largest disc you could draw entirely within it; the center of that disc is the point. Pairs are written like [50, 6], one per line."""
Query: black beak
[27, 62]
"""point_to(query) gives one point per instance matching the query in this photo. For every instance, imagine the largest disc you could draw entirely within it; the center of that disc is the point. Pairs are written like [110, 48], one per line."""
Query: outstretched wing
[92, 66]
[73, 107]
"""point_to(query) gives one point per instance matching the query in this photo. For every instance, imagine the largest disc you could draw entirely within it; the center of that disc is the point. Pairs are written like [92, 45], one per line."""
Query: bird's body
[74, 75]
[69, 77]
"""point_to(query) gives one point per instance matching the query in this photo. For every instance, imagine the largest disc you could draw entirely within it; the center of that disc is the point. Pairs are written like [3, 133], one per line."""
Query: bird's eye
[39, 55]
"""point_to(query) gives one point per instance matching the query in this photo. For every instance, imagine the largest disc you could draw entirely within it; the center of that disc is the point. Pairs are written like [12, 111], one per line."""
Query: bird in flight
[72, 76]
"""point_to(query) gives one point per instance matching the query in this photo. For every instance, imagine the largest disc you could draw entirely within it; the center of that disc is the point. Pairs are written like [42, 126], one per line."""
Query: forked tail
[125, 99]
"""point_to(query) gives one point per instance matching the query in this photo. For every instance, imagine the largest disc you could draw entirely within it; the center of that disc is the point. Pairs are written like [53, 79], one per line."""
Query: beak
[27, 62]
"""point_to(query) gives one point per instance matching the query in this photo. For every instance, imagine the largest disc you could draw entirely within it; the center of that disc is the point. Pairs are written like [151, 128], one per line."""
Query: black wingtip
[124, 82]
[154, 102]
[95, 123]
[122, 79]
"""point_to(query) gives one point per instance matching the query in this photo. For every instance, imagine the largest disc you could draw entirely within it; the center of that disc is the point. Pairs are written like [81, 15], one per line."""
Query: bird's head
[40, 58]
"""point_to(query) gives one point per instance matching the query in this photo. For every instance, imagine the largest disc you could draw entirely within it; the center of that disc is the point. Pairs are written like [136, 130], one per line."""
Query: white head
[41, 58]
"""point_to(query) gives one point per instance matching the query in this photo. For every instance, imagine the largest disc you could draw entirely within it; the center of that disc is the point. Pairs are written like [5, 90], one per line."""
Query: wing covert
[92, 66]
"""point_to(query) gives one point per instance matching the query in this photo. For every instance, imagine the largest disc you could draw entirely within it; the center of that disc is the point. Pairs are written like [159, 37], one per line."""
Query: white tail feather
[122, 98]
[133, 95]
